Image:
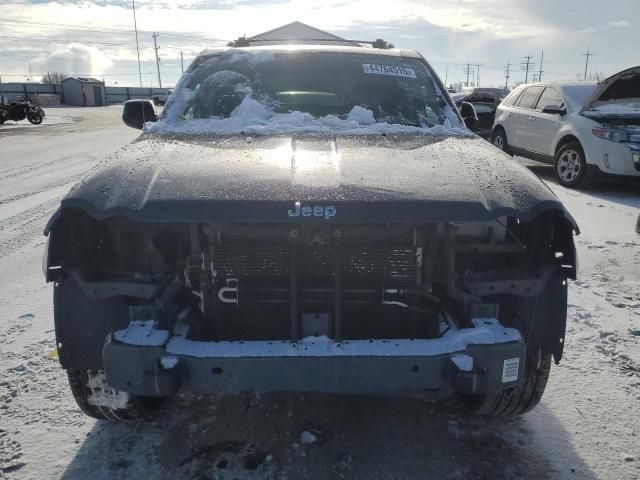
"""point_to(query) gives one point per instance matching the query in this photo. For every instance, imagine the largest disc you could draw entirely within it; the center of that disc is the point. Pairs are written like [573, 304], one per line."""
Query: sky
[96, 37]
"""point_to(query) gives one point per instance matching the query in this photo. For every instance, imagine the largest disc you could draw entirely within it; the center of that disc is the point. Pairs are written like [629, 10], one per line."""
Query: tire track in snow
[28, 225]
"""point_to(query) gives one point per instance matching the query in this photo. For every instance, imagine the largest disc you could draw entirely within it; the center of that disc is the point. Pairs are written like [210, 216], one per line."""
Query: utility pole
[540, 72]
[586, 63]
[156, 48]
[182, 63]
[525, 66]
[506, 75]
[478, 75]
[468, 70]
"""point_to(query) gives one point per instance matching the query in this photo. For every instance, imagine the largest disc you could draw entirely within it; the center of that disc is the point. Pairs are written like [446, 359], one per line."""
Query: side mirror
[554, 110]
[469, 116]
[137, 112]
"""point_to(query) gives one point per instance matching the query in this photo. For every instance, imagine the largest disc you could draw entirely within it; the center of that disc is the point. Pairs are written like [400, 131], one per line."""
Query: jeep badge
[327, 211]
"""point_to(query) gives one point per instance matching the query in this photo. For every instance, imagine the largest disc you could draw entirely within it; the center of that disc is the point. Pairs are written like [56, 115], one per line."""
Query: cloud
[605, 26]
[75, 59]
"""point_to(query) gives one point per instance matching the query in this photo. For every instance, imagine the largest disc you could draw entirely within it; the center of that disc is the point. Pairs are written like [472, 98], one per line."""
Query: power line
[39, 25]
[79, 74]
[50, 40]
[135, 25]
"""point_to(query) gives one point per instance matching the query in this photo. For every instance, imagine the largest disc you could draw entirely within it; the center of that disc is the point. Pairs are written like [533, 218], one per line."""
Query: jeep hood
[368, 179]
[617, 96]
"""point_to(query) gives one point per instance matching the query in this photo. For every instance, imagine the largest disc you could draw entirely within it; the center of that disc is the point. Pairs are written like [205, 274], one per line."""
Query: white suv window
[530, 97]
[512, 97]
[550, 96]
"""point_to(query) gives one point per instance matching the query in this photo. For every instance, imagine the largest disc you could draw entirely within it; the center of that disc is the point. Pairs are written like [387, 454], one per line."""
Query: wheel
[570, 166]
[36, 119]
[499, 139]
[516, 400]
[98, 400]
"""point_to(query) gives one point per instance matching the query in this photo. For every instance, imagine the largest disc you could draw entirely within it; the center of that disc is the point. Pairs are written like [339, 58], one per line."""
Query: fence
[122, 94]
[13, 91]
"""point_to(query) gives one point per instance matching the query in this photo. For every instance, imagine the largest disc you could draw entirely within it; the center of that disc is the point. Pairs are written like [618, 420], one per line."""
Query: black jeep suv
[312, 219]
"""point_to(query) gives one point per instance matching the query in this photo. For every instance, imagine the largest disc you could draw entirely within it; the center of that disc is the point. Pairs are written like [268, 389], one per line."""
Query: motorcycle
[20, 110]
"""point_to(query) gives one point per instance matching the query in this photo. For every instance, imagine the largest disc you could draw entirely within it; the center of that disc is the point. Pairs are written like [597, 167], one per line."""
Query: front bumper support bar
[486, 358]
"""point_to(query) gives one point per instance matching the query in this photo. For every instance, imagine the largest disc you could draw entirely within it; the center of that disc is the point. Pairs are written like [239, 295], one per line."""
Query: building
[293, 33]
[84, 91]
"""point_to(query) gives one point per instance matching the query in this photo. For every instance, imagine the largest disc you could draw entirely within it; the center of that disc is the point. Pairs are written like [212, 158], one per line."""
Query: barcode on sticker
[393, 70]
[510, 370]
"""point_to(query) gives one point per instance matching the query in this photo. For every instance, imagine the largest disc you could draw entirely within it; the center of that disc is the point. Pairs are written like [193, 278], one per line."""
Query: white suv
[586, 130]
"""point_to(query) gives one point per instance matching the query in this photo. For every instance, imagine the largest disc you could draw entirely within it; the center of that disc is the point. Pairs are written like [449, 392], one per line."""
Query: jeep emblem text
[327, 211]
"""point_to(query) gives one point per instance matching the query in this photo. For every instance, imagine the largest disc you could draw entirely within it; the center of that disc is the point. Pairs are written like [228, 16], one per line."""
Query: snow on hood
[630, 109]
[254, 116]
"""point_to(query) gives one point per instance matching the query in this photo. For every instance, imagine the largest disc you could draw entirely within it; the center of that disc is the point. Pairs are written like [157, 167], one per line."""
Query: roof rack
[246, 42]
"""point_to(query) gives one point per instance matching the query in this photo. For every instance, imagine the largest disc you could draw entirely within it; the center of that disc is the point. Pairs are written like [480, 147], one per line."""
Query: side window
[550, 96]
[511, 99]
[530, 97]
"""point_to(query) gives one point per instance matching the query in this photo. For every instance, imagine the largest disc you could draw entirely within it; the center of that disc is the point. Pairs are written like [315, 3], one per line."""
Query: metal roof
[298, 32]
[84, 79]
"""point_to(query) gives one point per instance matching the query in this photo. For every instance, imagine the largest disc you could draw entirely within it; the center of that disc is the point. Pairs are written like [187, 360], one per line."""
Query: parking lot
[585, 427]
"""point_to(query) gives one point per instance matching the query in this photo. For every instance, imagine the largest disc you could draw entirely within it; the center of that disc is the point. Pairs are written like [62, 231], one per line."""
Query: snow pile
[254, 118]
[361, 115]
[142, 333]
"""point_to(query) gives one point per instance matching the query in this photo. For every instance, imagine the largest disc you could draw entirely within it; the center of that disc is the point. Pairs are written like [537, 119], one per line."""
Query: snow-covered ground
[587, 425]
[54, 115]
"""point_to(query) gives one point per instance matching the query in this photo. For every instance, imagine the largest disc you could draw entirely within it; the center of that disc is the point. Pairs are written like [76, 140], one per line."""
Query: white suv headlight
[613, 134]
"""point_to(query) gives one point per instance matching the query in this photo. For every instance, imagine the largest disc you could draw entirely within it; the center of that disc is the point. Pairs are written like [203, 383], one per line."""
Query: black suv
[312, 219]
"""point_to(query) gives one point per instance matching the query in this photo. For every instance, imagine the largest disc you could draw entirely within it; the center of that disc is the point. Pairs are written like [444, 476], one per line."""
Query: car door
[520, 117]
[504, 112]
[543, 127]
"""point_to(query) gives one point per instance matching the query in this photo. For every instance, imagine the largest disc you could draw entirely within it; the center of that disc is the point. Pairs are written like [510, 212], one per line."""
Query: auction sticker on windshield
[374, 69]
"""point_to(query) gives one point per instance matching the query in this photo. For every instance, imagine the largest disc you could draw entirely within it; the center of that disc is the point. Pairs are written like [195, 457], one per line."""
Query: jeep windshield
[289, 89]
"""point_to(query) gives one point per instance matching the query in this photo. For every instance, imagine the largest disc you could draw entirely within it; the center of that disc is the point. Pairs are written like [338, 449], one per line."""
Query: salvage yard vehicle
[587, 131]
[485, 102]
[308, 219]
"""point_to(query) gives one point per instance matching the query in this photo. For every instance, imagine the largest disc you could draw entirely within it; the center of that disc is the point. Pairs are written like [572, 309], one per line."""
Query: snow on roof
[84, 79]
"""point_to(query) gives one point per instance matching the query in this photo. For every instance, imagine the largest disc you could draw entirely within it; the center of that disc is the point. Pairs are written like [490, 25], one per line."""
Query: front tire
[519, 399]
[98, 400]
[570, 166]
[36, 118]
[499, 140]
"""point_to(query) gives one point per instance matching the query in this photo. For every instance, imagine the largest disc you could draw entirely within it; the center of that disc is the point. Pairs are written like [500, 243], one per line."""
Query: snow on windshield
[248, 91]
